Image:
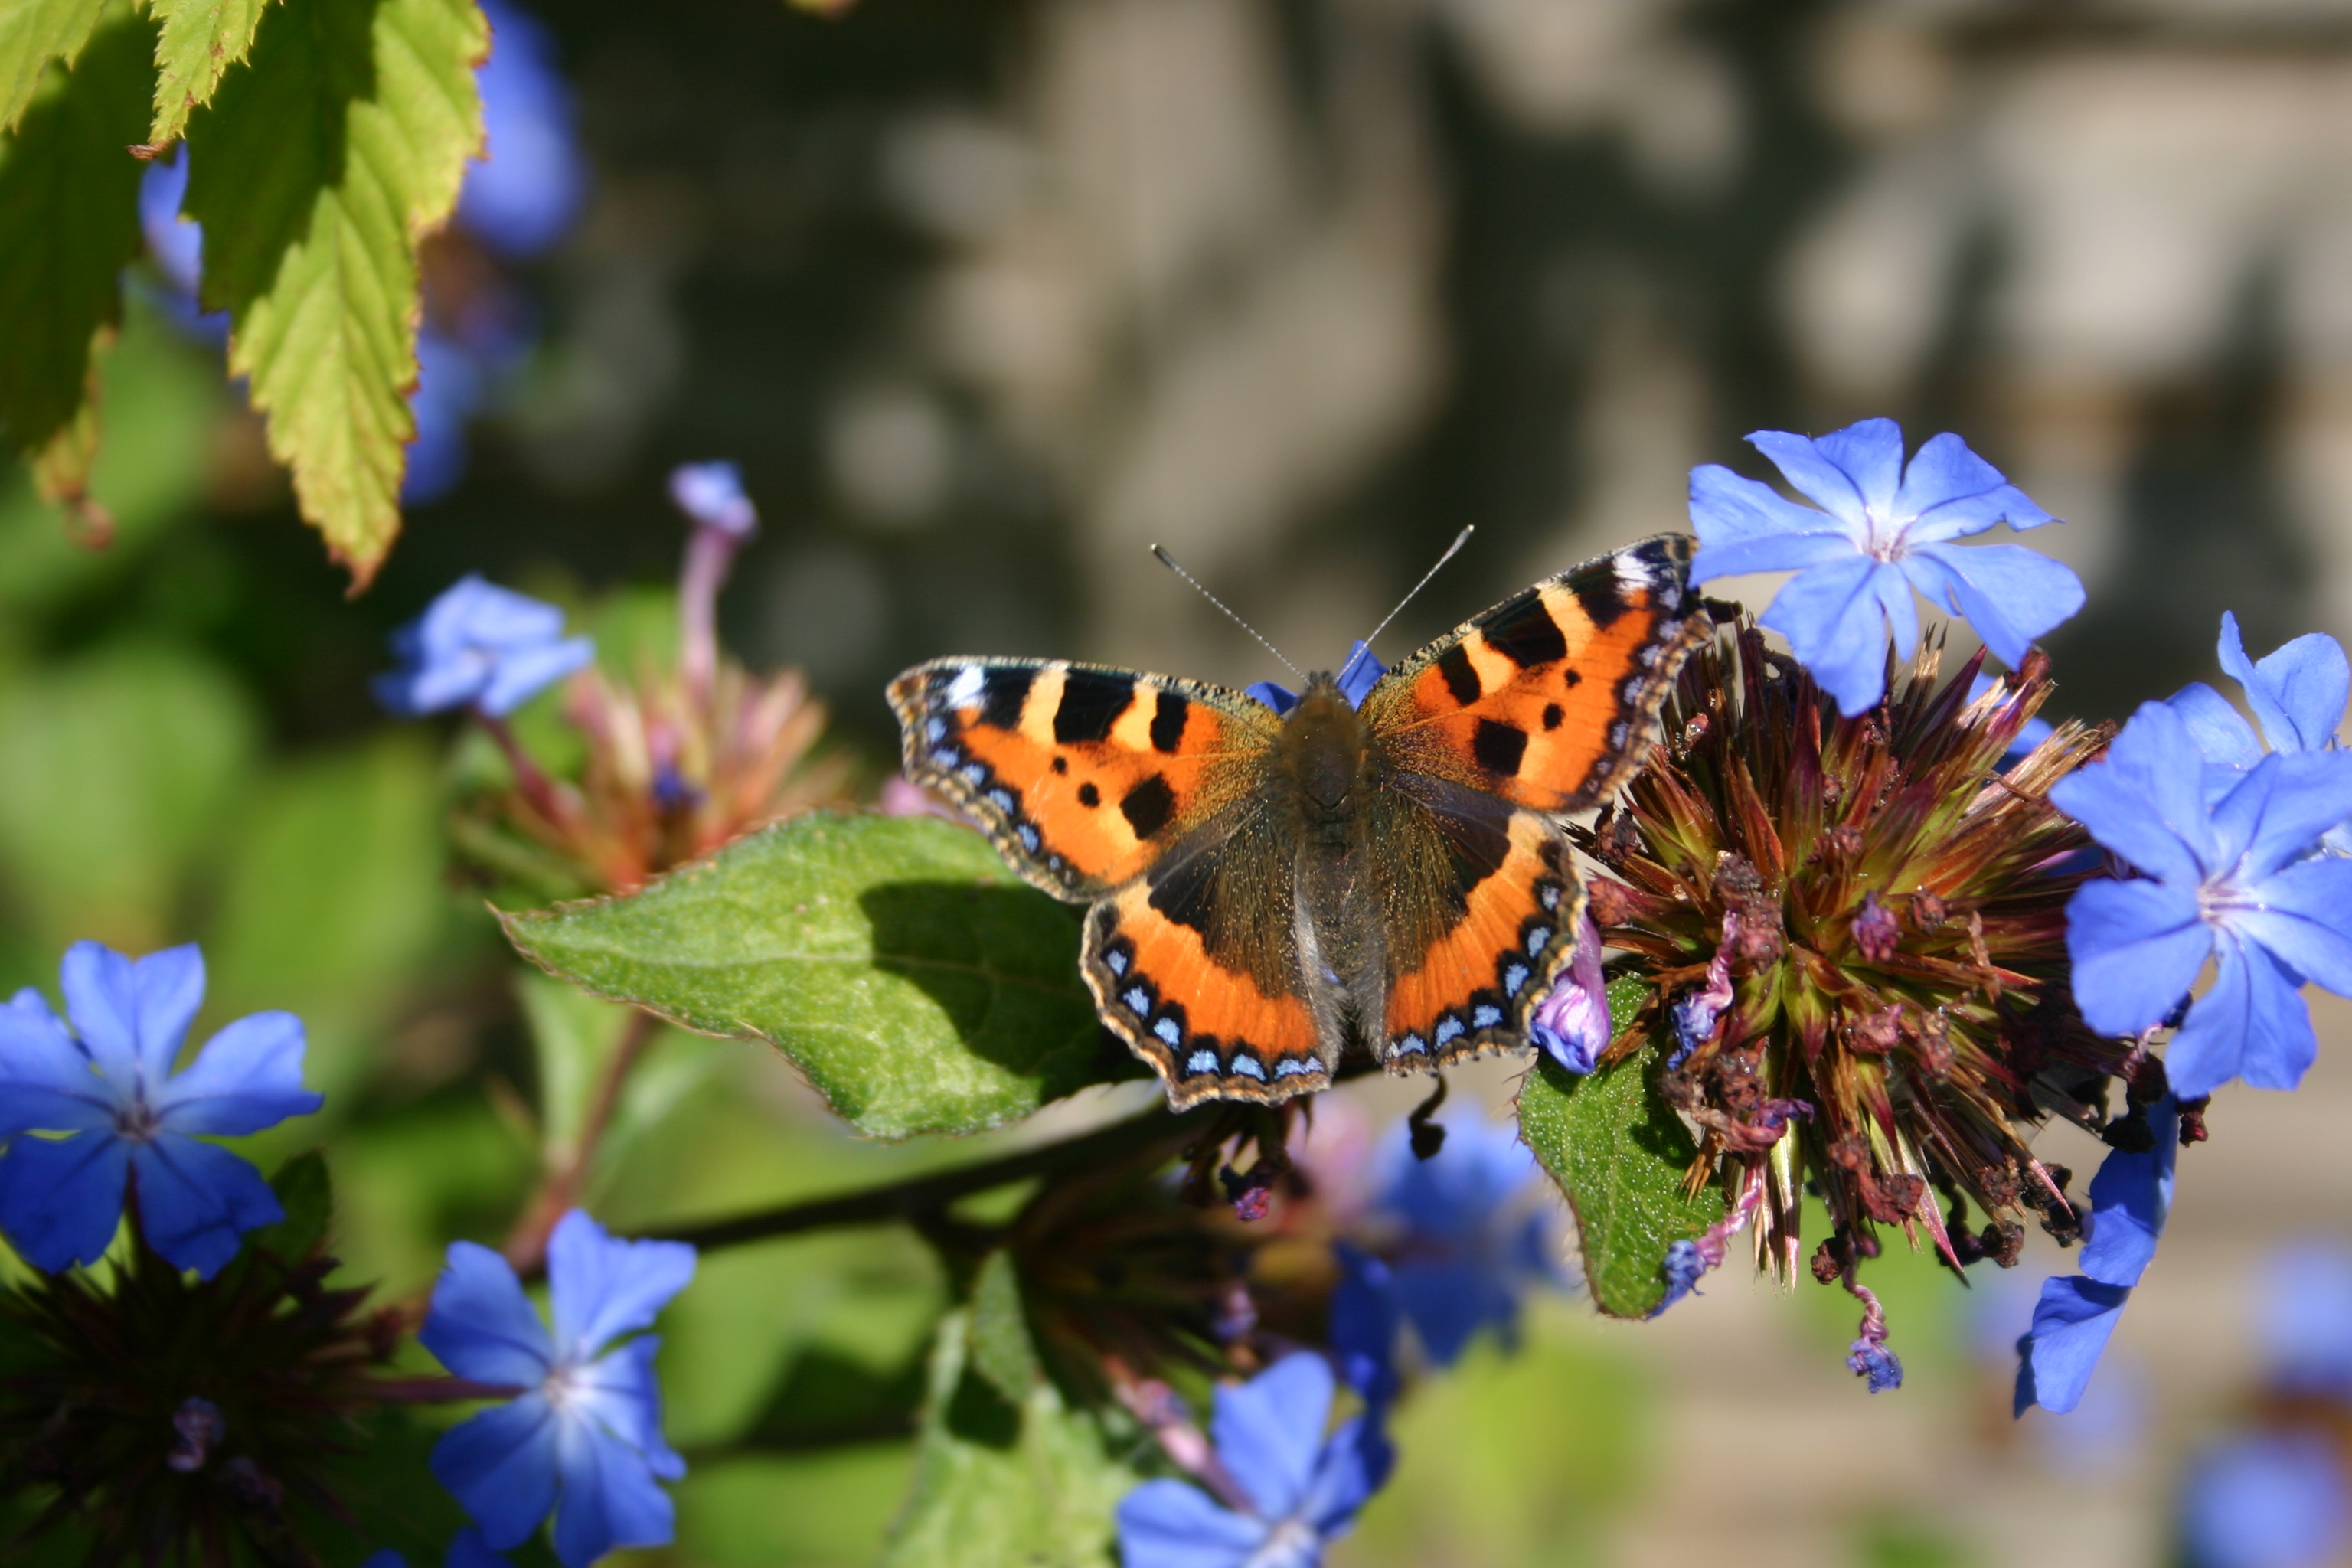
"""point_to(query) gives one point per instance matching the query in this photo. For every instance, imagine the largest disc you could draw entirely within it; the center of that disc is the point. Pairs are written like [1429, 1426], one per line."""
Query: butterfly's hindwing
[1080, 774]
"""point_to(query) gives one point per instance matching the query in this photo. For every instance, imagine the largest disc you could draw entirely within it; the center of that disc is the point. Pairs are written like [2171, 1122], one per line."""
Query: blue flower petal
[1360, 674]
[481, 1325]
[1949, 492]
[2266, 1500]
[197, 1200]
[1281, 698]
[247, 1077]
[501, 1466]
[1745, 526]
[1269, 1430]
[523, 196]
[608, 1496]
[2250, 1024]
[523, 674]
[2146, 799]
[1449, 1301]
[2277, 813]
[166, 989]
[2297, 693]
[1850, 473]
[2221, 736]
[1169, 1524]
[620, 1391]
[469, 1550]
[2305, 919]
[1364, 1321]
[1349, 1471]
[60, 1201]
[47, 1081]
[1837, 618]
[2307, 1317]
[100, 1001]
[2136, 948]
[712, 495]
[2072, 1323]
[604, 1288]
[2130, 1198]
[2009, 594]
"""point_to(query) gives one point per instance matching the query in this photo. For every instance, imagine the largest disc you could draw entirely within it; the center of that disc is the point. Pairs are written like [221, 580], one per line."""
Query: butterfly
[1270, 888]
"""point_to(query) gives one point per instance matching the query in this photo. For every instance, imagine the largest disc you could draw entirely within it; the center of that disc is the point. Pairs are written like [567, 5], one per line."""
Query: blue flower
[2297, 694]
[2306, 1318]
[107, 1082]
[1468, 1240]
[1365, 1318]
[1298, 1491]
[2130, 1198]
[481, 645]
[1357, 679]
[522, 197]
[585, 1438]
[467, 1549]
[1886, 532]
[1571, 1024]
[2266, 1500]
[712, 494]
[2238, 880]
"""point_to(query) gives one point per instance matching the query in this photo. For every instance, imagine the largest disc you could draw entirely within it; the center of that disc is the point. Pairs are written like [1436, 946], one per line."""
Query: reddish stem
[526, 1244]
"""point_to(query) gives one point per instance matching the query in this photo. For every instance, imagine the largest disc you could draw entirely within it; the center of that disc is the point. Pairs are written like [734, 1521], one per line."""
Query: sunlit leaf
[201, 39]
[916, 982]
[997, 1481]
[69, 225]
[1619, 1154]
[315, 168]
[32, 34]
[1001, 1348]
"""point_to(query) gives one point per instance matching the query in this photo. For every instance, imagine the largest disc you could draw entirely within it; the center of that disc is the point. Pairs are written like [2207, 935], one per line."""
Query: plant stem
[526, 1244]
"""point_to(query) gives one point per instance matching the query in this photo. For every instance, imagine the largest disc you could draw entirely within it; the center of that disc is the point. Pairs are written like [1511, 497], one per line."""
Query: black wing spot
[1571, 678]
[1061, 764]
[1092, 701]
[1168, 721]
[1500, 747]
[1004, 693]
[1525, 632]
[1600, 594]
[1088, 795]
[1148, 805]
[1461, 675]
[1553, 714]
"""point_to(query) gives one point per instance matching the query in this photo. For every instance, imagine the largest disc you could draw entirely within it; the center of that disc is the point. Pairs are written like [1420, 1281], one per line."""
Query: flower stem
[526, 1244]
[439, 1390]
[537, 788]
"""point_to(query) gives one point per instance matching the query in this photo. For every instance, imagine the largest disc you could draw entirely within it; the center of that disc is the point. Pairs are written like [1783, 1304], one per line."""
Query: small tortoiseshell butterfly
[1270, 886]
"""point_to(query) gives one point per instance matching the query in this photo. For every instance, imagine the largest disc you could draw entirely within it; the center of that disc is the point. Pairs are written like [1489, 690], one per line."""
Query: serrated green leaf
[1001, 1349]
[997, 1481]
[920, 985]
[200, 41]
[315, 169]
[69, 225]
[32, 34]
[1619, 1154]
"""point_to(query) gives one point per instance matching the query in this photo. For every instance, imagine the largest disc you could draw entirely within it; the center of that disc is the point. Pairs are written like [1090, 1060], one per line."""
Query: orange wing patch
[1079, 774]
[1207, 1030]
[1550, 699]
[1472, 990]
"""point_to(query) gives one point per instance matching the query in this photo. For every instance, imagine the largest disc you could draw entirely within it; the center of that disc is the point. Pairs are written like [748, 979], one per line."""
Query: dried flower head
[1857, 927]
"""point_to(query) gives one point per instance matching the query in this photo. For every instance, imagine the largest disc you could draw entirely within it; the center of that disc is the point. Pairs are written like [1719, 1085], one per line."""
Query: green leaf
[916, 982]
[1001, 1350]
[200, 41]
[32, 34]
[997, 1481]
[307, 1195]
[69, 225]
[1620, 1153]
[315, 170]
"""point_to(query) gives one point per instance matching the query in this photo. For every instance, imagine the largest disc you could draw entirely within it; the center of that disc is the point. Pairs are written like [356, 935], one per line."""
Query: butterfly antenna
[1169, 562]
[1451, 550]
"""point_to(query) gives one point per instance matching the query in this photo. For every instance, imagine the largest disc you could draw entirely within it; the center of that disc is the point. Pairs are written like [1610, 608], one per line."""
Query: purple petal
[2306, 918]
[197, 1200]
[1269, 1430]
[60, 1201]
[2297, 693]
[1837, 618]
[2130, 1198]
[2278, 811]
[604, 1288]
[2266, 1500]
[2009, 594]
[522, 675]
[481, 1326]
[2251, 1023]
[1745, 526]
[247, 1077]
[47, 1081]
[2072, 1323]
[501, 1466]
[1852, 472]
[609, 1497]
[2136, 948]
[1169, 1524]
[1949, 492]
[620, 1391]
[2145, 799]
[2221, 734]
[1350, 1469]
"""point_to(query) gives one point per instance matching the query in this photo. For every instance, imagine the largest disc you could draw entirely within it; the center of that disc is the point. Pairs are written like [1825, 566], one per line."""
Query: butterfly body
[1270, 890]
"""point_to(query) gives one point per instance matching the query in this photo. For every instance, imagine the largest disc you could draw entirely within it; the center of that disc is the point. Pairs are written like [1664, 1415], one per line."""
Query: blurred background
[987, 295]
